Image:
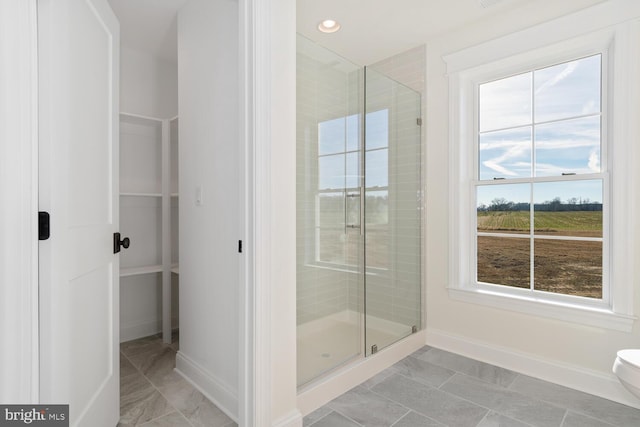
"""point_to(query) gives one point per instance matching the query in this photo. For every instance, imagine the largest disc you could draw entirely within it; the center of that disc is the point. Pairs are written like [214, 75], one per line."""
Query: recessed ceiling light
[329, 26]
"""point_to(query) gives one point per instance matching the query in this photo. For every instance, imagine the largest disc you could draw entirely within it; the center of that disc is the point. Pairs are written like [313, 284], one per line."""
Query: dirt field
[561, 266]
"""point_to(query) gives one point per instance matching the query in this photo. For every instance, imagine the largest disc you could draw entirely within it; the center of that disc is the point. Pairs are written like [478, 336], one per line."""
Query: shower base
[333, 341]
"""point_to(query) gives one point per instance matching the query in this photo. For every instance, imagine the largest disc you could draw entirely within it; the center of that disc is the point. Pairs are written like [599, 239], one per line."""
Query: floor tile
[141, 345]
[316, 415]
[577, 401]
[140, 401]
[177, 390]
[174, 419]
[507, 402]
[206, 414]
[368, 408]
[494, 419]
[426, 400]
[156, 366]
[578, 420]
[126, 367]
[421, 351]
[153, 394]
[413, 419]
[193, 404]
[334, 419]
[474, 368]
[377, 379]
[422, 371]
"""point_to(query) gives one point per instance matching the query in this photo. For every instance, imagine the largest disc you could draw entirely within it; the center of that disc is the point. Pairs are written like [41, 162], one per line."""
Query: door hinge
[44, 226]
[419, 121]
[239, 246]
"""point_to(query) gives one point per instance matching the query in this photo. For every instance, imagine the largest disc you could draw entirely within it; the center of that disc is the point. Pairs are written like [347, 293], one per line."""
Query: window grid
[533, 179]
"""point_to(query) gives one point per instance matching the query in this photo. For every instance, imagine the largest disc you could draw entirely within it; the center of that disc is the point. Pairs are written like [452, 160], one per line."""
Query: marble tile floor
[433, 388]
[153, 395]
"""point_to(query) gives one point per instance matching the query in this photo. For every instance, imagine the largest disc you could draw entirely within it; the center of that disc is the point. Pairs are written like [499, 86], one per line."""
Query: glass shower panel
[393, 214]
[329, 181]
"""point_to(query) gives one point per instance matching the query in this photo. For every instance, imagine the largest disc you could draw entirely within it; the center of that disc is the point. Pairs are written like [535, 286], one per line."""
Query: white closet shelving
[149, 202]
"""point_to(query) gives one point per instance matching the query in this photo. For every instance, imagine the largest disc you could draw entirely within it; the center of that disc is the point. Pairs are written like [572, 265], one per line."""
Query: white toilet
[627, 368]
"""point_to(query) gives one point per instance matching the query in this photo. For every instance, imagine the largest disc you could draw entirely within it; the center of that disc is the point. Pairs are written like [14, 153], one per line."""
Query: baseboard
[213, 388]
[589, 381]
[292, 419]
[139, 330]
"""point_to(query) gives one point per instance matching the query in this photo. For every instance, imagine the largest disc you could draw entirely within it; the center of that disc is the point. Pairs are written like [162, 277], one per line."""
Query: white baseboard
[589, 381]
[139, 330]
[213, 388]
[292, 419]
[144, 329]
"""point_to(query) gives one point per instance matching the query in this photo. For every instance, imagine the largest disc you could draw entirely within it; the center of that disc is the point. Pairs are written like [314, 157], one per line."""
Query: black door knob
[117, 243]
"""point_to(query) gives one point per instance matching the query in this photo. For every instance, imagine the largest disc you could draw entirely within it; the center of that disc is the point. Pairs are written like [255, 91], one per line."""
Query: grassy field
[580, 223]
[560, 266]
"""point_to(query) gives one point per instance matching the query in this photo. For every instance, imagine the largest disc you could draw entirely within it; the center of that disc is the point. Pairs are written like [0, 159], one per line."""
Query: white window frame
[521, 52]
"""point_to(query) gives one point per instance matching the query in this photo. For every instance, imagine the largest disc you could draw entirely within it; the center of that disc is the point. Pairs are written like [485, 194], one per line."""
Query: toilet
[627, 368]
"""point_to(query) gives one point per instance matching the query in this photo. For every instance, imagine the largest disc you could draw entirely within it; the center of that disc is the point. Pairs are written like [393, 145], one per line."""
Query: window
[340, 181]
[541, 180]
[542, 174]
[338, 196]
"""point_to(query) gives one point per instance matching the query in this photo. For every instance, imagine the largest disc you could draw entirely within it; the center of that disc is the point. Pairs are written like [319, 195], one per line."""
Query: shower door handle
[347, 205]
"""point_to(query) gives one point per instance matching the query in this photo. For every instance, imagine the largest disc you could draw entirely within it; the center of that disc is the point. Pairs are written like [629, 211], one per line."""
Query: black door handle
[117, 243]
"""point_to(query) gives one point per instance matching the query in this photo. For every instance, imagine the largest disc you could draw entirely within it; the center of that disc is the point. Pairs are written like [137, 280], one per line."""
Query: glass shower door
[329, 240]
[393, 211]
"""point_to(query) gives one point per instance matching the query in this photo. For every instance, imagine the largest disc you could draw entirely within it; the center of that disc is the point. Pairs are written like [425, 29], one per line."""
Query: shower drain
[326, 355]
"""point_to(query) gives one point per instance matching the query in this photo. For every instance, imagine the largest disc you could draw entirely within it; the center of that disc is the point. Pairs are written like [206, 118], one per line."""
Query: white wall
[567, 353]
[208, 65]
[280, 165]
[148, 87]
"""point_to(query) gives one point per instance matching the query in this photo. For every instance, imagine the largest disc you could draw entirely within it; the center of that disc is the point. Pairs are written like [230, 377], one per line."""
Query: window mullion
[532, 228]
[531, 200]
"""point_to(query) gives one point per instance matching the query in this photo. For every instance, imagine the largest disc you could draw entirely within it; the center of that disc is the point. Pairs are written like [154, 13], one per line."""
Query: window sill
[597, 317]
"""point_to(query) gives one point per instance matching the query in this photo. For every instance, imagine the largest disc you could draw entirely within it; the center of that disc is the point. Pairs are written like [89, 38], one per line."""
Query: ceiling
[371, 29]
[374, 30]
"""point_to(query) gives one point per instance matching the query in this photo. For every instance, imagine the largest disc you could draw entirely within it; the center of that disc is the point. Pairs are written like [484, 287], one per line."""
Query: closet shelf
[148, 201]
[136, 271]
[140, 195]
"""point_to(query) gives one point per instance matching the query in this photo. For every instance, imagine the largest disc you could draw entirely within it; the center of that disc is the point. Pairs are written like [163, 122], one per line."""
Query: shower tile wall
[407, 68]
[397, 298]
[326, 90]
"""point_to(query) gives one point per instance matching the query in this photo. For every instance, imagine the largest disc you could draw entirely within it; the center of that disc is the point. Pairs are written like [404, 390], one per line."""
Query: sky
[542, 123]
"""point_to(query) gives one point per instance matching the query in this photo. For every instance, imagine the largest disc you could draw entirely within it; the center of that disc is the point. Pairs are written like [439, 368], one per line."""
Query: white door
[78, 54]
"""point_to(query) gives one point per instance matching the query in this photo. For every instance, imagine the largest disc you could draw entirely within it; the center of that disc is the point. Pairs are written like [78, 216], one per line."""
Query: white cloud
[594, 161]
[566, 72]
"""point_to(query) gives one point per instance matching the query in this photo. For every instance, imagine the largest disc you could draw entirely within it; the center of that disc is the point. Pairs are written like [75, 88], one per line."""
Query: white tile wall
[327, 88]
[396, 295]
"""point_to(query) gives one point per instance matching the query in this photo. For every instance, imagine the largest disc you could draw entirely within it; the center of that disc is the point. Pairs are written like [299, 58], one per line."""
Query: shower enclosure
[359, 211]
